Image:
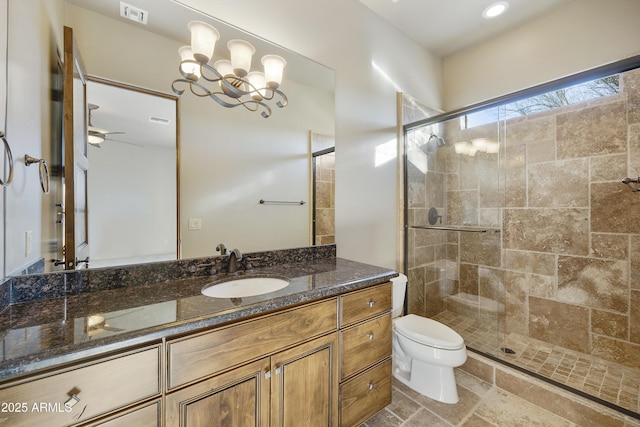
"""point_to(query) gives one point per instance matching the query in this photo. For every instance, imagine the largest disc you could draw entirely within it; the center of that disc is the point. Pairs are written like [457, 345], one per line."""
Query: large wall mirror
[201, 188]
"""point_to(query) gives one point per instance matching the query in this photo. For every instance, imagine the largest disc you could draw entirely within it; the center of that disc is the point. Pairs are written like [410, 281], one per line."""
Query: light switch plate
[195, 224]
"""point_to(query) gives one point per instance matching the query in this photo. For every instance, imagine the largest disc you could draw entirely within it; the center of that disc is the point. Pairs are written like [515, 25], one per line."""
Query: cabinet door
[238, 398]
[304, 384]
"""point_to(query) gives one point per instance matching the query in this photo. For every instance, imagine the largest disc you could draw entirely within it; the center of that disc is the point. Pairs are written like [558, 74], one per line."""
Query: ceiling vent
[134, 13]
[159, 120]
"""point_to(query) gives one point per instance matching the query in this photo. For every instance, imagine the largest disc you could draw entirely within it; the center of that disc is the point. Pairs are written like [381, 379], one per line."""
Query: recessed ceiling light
[495, 9]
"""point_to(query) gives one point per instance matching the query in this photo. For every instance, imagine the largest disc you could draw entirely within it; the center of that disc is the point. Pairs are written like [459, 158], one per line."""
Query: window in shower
[526, 242]
[559, 98]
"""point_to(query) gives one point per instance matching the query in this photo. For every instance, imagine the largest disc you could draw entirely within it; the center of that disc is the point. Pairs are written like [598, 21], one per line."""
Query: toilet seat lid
[429, 332]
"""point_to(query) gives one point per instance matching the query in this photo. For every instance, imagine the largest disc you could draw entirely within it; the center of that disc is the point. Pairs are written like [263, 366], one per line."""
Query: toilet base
[435, 382]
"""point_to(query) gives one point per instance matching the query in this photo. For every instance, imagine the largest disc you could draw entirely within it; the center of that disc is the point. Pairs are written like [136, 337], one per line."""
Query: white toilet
[424, 351]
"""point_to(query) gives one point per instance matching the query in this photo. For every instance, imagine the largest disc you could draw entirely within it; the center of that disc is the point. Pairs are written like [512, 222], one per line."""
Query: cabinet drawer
[357, 306]
[99, 388]
[147, 416]
[365, 394]
[365, 344]
[197, 357]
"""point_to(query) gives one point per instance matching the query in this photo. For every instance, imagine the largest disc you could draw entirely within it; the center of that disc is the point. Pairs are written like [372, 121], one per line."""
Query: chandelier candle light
[232, 81]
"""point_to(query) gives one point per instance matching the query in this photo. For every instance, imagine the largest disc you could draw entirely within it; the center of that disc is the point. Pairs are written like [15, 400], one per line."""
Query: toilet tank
[399, 288]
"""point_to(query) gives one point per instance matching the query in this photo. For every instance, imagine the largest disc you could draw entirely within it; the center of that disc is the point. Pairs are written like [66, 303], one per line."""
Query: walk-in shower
[521, 235]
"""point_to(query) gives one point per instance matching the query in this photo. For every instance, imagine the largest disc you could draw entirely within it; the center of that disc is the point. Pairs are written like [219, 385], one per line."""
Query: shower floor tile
[605, 380]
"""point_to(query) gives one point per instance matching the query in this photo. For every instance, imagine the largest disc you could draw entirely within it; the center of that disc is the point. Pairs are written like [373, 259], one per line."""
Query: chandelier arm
[283, 101]
[177, 91]
[213, 95]
[253, 105]
[216, 75]
[270, 93]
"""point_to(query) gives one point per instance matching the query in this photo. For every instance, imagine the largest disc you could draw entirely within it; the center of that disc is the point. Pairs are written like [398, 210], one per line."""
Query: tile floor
[481, 405]
[611, 382]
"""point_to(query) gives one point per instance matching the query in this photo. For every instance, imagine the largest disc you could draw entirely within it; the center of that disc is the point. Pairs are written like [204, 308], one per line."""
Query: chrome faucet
[220, 248]
[234, 256]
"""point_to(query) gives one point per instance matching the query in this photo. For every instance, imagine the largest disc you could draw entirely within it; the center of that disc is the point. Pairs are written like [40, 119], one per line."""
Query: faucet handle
[246, 264]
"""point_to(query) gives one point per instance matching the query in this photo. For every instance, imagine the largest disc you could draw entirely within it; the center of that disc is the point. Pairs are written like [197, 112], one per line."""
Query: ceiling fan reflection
[97, 135]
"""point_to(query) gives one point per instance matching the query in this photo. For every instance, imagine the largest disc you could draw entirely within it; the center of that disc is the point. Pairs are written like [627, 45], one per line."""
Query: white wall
[580, 35]
[28, 121]
[348, 37]
[132, 203]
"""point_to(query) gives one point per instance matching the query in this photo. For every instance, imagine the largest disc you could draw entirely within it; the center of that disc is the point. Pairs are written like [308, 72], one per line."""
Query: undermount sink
[244, 287]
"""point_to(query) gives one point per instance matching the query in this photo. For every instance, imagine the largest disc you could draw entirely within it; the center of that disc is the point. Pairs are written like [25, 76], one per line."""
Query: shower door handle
[631, 181]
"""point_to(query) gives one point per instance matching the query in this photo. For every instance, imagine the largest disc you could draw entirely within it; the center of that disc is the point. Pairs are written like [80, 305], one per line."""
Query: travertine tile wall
[325, 188]
[566, 265]
[568, 209]
[325, 206]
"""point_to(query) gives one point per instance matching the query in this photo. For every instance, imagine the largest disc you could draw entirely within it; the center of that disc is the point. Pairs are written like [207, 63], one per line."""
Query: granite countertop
[37, 335]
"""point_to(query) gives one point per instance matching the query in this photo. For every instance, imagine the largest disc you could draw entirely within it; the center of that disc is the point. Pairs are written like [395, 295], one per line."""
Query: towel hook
[7, 150]
[43, 171]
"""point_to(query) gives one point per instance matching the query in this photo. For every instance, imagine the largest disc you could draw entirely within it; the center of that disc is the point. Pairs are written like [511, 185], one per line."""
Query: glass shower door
[454, 200]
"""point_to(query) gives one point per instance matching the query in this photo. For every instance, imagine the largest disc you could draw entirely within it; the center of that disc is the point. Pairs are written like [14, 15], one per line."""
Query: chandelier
[229, 82]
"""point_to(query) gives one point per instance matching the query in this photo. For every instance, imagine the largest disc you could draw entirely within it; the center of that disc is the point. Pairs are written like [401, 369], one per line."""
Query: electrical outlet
[195, 224]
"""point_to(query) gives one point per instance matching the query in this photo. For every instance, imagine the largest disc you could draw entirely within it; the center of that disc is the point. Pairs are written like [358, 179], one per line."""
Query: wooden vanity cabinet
[291, 388]
[365, 358]
[324, 363]
[269, 371]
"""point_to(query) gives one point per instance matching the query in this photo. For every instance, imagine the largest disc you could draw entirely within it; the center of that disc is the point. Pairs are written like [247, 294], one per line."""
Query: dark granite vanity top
[41, 334]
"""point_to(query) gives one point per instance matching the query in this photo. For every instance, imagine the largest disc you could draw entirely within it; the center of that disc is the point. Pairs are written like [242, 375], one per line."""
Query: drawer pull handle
[371, 386]
[278, 370]
[371, 304]
[72, 401]
[267, 375]
[370, 336]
